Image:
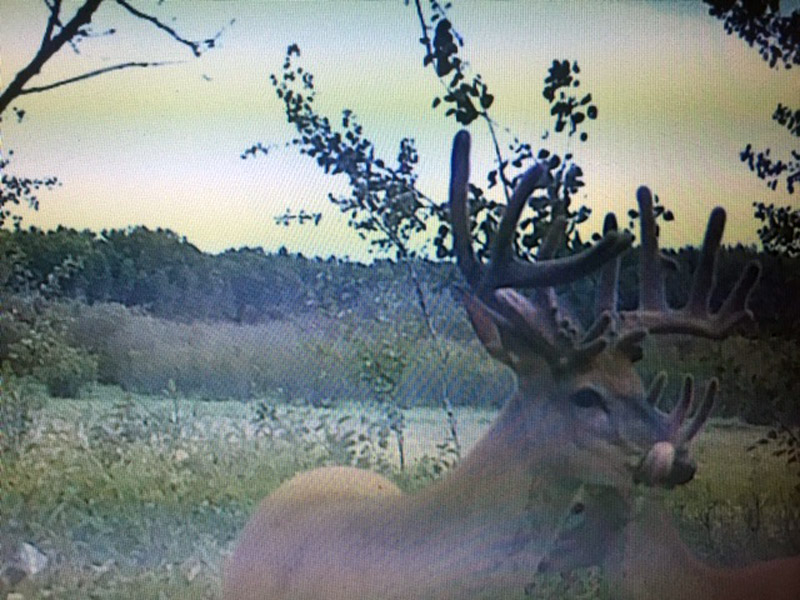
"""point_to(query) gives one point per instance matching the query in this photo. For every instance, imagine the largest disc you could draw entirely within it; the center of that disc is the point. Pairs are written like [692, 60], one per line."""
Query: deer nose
[682, 472]
[665, 466]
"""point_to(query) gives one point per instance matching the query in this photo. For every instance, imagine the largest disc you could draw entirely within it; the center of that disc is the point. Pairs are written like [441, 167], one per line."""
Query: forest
[79, 291]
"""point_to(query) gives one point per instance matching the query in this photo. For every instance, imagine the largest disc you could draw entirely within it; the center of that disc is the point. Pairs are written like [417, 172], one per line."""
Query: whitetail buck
[628, 532]
[643, 556]
[580, 414]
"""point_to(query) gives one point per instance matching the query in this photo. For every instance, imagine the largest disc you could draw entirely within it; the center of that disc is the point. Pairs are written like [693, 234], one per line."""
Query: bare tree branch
[127, 65]
[49, 46]
[55, 9]
[197, 47]
[56, 34]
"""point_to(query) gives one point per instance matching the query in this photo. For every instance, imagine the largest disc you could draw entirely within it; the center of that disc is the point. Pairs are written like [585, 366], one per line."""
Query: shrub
[15, 414]
[65, 370]
[42, 351]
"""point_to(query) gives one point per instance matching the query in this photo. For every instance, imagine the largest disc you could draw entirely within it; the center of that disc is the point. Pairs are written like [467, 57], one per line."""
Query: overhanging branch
[56, 34]
[127, 65]
[196, 47]
[48, 48]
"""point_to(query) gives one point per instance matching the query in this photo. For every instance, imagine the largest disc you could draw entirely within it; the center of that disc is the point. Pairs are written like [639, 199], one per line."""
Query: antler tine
[693, 427]
[651, 278]
[678, 414]
[503, 269]
[704, 275]
[503, 245]
[606, 295]
[552, 241]
[459, 217]
[656, 389]
[734, 310]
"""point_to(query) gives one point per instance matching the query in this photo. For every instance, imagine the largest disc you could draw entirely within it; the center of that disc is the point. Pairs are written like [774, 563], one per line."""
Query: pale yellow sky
[678, 99]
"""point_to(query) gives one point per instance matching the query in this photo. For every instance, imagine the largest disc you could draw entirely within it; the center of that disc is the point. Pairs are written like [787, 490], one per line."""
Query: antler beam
[695, 318]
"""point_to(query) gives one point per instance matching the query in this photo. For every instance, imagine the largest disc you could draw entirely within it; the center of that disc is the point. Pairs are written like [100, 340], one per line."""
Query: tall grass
[314, 359]
[318, 359]
[128, 500]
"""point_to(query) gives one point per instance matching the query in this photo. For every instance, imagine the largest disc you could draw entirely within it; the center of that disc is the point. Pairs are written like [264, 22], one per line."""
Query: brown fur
[341, 533]
[645, 558]
[657, 564]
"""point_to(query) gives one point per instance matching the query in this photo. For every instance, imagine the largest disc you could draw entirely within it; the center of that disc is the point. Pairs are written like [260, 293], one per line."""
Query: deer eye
[588, 398]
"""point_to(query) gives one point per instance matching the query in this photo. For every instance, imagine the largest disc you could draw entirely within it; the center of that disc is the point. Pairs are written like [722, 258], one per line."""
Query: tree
[761, 24]
[385, 206]
[771, 170]
[780, 232]
[467, 99]
[59, 31]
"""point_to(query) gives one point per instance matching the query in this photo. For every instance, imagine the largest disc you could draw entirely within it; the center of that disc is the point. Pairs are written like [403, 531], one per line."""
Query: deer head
[583, 379]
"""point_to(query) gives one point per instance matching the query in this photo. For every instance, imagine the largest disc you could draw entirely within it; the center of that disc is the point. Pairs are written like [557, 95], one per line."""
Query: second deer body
[632, 537]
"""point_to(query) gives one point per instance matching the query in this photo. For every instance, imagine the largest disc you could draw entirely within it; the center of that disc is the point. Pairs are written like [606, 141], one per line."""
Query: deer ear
[484, 322]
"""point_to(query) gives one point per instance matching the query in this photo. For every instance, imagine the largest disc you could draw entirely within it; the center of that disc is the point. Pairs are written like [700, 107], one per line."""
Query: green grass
[742, 506]
[141, 497]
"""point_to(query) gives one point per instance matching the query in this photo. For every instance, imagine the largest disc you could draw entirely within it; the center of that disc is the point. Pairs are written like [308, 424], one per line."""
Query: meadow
[141, 496]
[138, 486]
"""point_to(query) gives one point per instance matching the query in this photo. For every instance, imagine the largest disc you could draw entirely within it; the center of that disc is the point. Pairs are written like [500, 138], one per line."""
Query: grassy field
[142, 497]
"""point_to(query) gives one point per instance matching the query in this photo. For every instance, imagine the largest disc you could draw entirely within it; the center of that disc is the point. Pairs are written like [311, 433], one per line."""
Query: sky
[678, 99]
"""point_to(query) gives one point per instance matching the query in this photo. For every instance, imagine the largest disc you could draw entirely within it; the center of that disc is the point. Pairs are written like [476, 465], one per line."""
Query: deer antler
[695, 318]
[542, 323]
[655, 316]
[658, 465]
[501, 316]
[504, 270]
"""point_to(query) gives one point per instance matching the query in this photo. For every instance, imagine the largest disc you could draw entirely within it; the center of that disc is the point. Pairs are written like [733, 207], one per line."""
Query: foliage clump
[38, 345]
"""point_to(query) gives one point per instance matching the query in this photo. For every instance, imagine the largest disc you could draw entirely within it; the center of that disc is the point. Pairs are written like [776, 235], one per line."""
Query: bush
[65, 370]
[42, 351]
[15, 415]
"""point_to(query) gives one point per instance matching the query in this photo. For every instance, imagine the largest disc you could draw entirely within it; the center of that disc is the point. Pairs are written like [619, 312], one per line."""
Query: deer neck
[499, 496]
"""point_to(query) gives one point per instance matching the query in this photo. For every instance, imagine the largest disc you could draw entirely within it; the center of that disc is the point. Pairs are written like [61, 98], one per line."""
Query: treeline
[168, 277]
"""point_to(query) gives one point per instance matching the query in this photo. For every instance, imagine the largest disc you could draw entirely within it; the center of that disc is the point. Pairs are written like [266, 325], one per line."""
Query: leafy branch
[384, 205]
[760, 24]
[762, 164]
[16, 190]
[780, 232]
[467, 98]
